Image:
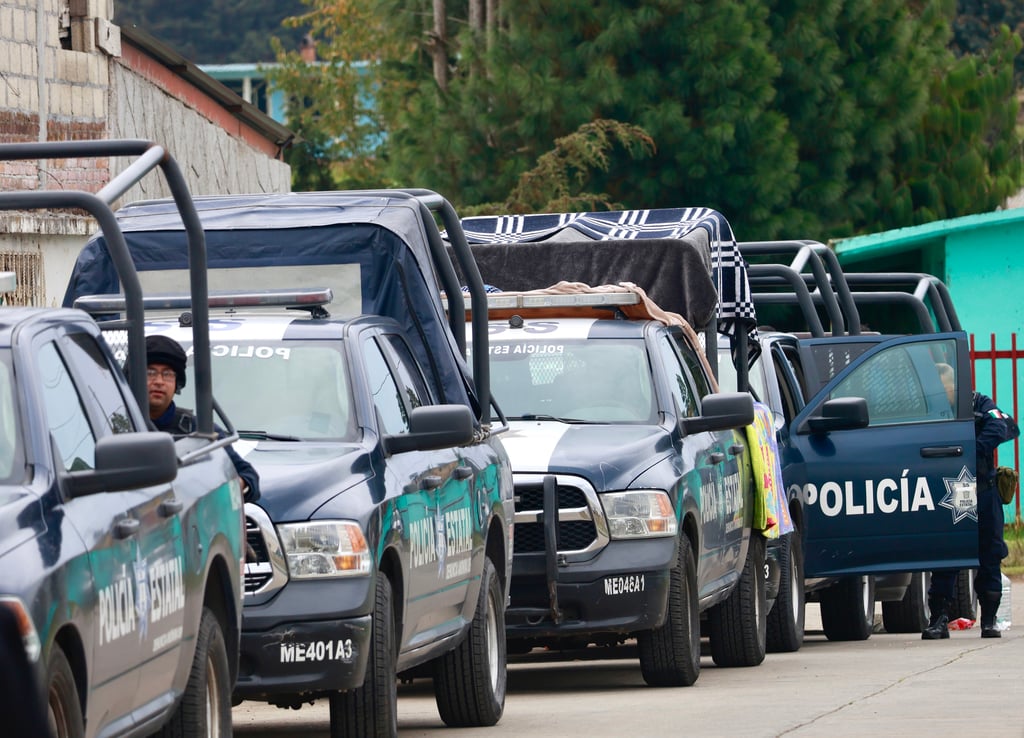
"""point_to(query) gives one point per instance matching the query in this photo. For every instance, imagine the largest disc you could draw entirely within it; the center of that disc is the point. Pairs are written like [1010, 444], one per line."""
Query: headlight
[640, 514]
[335, 548]
[26, 629]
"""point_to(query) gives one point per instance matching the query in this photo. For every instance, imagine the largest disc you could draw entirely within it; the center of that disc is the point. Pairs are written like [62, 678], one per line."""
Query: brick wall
[63, 76]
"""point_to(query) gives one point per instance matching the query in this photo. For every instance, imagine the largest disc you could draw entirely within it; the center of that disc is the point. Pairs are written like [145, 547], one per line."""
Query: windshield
[595, 380]
[728, 380]
[297, 389]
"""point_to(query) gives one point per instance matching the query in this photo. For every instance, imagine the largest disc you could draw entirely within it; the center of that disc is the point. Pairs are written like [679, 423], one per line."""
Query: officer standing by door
[991, 428]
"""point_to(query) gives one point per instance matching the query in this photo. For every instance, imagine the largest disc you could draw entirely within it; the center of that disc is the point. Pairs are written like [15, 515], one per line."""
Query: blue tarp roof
[383, 235]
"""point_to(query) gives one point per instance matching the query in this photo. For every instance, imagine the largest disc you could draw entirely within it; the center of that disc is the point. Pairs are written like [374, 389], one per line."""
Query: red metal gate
[995, 364]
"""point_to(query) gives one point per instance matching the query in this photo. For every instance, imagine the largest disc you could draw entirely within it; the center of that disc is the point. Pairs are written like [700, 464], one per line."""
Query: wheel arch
[495, 550]
[391, 567]
[219, 597]
[70, 642]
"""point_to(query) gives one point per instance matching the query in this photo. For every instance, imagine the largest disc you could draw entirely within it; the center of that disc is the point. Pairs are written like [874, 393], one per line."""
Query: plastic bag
[1007, 481]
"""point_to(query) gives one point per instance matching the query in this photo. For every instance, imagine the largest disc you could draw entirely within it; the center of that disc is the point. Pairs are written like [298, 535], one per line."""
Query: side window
[101, 386]
[693, 363]
[408, 371]
[904, 383]
[65, 415]
[390, 409]
[783, 370]
[679, 383]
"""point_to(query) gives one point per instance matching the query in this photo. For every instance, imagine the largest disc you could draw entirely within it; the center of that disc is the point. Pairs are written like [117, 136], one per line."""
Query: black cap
[164, 350]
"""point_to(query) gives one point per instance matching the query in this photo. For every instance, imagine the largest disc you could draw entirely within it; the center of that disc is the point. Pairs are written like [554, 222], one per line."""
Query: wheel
[469, 681]
[910, 614]
[965, 604]
[205, 708]
[737, 626]
[670, 653]
[786, 619]
[64, 711]
[372, 709]
[848, 609]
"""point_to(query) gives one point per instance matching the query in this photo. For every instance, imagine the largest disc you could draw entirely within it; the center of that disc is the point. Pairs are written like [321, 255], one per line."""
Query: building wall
[65, 75]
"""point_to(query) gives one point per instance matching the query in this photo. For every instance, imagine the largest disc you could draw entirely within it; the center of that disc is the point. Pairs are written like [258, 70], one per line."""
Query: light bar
[516, 300]
[8, 281]
[96, 304]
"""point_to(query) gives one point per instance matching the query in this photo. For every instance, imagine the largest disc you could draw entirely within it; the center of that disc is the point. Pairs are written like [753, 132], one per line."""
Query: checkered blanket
[706, 228]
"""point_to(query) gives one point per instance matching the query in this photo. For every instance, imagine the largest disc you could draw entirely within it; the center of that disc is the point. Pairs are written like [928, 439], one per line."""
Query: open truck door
[882, 460]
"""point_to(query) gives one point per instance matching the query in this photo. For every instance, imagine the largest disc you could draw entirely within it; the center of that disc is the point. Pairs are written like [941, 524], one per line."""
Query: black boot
[938, 623]
[989, 602]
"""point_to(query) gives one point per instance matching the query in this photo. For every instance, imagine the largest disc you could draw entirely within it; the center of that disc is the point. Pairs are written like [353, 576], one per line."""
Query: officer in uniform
[165, 376]
[991, 427]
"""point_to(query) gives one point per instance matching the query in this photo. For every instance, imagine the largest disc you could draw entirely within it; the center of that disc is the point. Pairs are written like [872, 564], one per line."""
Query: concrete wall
[65, 75]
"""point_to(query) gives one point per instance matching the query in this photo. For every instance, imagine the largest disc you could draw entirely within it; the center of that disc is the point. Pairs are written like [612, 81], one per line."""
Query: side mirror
[126, 461]
[721, 411]
[432, 427]
[842, 413]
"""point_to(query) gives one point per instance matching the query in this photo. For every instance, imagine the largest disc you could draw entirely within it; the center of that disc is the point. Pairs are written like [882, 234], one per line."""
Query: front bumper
[623, 589]
[300, 643]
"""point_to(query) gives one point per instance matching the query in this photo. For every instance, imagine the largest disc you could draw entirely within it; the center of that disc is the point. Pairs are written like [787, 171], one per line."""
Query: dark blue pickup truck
[382, 541]
[120, 547]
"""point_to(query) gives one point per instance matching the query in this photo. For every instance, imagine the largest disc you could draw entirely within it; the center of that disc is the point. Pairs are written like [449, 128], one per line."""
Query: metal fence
[999, 369]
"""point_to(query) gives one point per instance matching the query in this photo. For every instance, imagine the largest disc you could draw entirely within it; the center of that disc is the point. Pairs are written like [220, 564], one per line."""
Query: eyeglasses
[167, 375]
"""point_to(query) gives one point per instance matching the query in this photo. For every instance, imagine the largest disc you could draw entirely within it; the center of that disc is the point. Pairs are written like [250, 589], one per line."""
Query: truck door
[711, 465]
[151, 533]
[434, 506]
[896, 493]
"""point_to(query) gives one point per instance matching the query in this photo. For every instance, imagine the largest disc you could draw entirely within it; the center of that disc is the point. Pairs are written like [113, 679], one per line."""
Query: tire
[470, 681]
[670, 653]
[965, 603]
[64, 711]
[848, 609]
[737, 627]
[910, 614]
[786, 619]
[205, 708]
[371, 711]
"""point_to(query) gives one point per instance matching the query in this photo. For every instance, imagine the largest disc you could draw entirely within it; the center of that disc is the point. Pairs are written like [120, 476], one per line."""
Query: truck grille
[581, 525]
[266, 570]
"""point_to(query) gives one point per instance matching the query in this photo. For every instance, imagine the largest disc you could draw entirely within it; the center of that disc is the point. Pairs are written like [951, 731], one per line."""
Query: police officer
[165, 376]
[991, 427]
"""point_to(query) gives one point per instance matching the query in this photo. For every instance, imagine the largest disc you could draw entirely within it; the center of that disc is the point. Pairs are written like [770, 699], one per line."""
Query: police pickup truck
[633, 482]
[878, 468]
[381, 544]
[120, 547]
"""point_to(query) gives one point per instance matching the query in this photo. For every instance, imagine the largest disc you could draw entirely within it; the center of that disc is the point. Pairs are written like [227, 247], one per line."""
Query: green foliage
[214, 31]
[796, 118]
[551, 186]
[977, 27]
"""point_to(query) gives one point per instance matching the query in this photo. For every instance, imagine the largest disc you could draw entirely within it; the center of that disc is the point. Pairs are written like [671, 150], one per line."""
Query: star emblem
[961, 496]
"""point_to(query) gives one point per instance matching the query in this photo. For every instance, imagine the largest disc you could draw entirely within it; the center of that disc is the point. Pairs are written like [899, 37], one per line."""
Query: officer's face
[161, 383]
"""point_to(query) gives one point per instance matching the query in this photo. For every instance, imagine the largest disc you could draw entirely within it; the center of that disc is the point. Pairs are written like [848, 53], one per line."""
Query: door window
[904, 384]
[103, 388]
[65, 416]
[391, 411]
[679, 382]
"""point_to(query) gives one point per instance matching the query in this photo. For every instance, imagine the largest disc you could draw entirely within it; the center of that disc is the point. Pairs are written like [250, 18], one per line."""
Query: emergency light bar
[290, 298]
[8, 281]
[517, 300]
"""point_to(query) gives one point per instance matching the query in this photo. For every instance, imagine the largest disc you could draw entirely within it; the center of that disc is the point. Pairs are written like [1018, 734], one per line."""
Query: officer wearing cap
[165, 376]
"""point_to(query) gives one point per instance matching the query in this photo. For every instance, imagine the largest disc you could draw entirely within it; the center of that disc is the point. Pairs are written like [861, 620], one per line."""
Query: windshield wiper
[541, 416]
[263, 435]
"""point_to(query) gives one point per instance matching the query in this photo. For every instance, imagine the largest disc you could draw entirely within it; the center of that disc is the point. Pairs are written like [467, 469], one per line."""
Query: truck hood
[298, 478]
[610, 456]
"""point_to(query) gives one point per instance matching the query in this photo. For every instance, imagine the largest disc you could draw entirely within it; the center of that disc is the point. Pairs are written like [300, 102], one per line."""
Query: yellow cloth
[771, 513]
